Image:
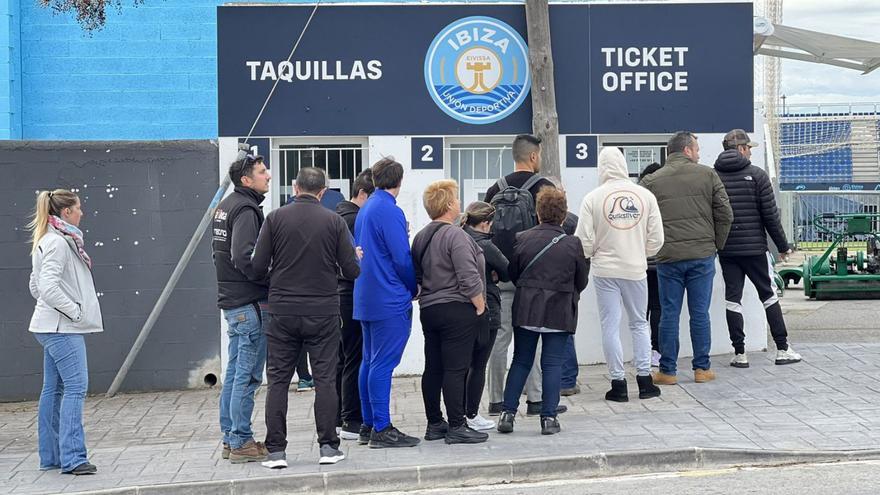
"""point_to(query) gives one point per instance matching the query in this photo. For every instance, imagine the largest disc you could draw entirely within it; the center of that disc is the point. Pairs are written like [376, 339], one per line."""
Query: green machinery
[840, 273]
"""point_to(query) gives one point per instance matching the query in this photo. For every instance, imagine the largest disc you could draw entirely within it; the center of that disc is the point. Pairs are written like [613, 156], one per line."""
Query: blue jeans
[695, 277]
[525, 344]
[244, 372]
[62, 441]
[384, 342]
[570, 365]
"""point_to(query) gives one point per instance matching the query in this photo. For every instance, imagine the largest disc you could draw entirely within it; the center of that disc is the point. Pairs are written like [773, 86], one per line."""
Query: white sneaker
[787, 357]
[655, 359]
[275, 460]
[740, 361]
[480, 423]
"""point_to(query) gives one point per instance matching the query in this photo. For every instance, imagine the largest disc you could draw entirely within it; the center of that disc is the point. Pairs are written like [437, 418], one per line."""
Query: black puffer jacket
[754, 207]
[496, 271]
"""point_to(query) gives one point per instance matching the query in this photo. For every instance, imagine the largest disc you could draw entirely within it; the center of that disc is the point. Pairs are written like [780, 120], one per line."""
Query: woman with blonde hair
[66, 309]
[451, 271]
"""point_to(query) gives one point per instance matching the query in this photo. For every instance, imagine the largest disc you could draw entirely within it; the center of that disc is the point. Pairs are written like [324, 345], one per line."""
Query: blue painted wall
[149, 74]
[10, 77]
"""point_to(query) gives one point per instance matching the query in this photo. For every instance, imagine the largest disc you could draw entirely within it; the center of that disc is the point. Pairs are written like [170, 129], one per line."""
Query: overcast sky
[803, 82]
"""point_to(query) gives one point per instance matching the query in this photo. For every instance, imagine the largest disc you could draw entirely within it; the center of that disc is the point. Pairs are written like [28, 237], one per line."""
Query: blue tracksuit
[383, 295]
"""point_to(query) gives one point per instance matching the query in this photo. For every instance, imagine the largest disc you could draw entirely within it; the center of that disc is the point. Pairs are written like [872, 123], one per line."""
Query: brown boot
[226, 451]
[703, 376]
[249, 452]
[661, 378]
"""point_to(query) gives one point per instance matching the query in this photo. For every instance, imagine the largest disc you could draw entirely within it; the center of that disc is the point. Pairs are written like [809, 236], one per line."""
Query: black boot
[647, 389]
[617, 392]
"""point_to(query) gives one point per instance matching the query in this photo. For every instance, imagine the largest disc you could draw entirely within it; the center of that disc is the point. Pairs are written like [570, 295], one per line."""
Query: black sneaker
[505, 423]
[617, 392]
[534, 408]
[549, 426]
[82, 469]
[364, 434]
[647, 389]
[465, 434]
[350, 431]
[436, 431]
[390, 438]
[496, 408]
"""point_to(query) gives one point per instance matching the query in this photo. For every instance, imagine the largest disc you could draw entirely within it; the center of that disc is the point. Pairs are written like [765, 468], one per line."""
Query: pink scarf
[74, 233]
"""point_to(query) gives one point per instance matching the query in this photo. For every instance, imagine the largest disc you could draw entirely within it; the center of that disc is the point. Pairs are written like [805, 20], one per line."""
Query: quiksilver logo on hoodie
[623, 210]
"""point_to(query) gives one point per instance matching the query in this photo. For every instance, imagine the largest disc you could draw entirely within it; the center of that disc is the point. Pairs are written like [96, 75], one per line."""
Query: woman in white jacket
[619, 227]
[67, 307]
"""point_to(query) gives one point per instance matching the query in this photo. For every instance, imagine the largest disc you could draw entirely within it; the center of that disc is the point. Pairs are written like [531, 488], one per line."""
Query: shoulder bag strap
[417, 257]
[549, 245]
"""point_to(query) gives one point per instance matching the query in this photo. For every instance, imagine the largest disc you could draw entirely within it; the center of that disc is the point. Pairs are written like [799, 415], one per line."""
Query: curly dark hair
[551, 206]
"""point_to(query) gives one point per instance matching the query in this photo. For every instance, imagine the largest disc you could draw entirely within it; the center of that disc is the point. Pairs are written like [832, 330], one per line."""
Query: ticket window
[640, 155]
[342, 161]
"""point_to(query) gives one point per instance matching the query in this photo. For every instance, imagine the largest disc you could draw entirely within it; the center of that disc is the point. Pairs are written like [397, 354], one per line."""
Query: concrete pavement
[830, 402]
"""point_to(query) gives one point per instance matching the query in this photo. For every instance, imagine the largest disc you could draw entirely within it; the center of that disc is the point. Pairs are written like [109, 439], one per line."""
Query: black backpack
[514, 213]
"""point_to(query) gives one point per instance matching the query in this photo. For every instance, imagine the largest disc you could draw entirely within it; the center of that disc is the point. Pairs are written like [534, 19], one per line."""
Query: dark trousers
[525, 345]
[570, 365]
[288, 337]
[302, 367]
[476, 375]
[654, 309]
[351, 352]
[450, 333]
[757, 268]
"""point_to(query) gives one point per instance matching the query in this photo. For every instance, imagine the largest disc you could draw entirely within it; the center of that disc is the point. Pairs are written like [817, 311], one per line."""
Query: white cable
[289, 58]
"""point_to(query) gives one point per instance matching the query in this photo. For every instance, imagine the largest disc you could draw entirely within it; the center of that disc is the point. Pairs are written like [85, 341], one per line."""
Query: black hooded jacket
[348, 211]
[496, 271]
[754, 207]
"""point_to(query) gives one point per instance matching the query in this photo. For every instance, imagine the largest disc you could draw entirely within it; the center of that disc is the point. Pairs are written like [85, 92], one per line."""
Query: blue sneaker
[305, 385]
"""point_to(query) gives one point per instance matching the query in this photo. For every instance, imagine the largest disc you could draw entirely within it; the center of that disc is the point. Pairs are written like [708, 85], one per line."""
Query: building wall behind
[151, 73]
[10, 70]
[142, 202]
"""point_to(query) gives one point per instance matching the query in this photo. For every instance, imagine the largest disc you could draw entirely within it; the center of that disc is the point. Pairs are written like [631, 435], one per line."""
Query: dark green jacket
[695, 209]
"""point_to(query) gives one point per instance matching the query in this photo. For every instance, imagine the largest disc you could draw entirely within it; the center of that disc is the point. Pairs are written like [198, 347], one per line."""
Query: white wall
[578, 182]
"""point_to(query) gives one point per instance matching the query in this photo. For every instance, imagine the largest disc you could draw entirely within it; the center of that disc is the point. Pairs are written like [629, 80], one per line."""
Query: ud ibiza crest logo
[623, 211]
[477, 70]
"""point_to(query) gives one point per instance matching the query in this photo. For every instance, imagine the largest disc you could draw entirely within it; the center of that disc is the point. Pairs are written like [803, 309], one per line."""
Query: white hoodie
[620, 224]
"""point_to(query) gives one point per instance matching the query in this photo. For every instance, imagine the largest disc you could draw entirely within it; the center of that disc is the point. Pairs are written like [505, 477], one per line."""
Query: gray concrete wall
[142, 201]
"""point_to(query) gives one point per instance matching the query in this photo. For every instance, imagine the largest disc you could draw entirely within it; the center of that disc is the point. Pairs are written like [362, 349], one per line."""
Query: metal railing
[799, 208]
[830, 109]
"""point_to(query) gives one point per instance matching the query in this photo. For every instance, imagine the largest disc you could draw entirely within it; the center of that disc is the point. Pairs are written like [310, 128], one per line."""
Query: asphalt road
[834, 322]
[853, 478]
